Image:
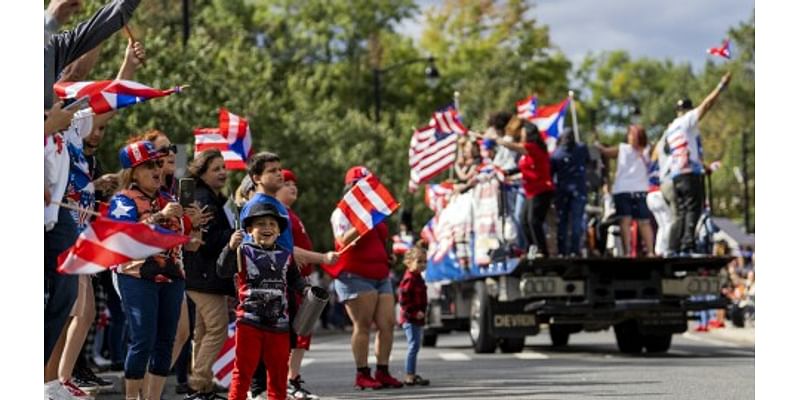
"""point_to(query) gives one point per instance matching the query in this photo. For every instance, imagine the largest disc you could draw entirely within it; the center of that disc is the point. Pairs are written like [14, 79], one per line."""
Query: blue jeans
[152, 310]
[60, 290]
[414, 338]
[115, 333]
[571, 205]
[519, 215]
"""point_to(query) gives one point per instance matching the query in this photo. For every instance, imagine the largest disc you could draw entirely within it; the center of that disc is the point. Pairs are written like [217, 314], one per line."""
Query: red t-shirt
[301, 239]
[368, 257]
[535, 169]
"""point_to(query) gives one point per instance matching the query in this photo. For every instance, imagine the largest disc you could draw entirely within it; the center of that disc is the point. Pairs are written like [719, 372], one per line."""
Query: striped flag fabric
[526, 109]
[212, 138]
[550, 118]
[367, 203]
[431, 152]
[723, 51]
[437, 195]
[487, 170]
[448, 121]
[105, 96]
[237, 130]
[106, 242]
[223, 365]
[400, 245]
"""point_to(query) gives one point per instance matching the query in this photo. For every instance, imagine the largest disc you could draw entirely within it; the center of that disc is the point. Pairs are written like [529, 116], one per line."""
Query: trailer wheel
[657, 343]
[429, 339]
[480, 318]
[512, 345]
[559, 335]
[629, 340]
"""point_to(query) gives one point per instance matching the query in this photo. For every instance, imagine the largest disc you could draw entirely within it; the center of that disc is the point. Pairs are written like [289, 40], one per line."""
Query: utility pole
[185, 22]
[745, 183]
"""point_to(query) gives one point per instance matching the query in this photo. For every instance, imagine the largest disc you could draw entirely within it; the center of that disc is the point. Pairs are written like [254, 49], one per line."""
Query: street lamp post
[431, 78]
[745, 183]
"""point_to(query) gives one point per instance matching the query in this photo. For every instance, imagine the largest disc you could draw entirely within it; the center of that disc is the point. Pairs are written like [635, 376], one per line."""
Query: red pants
[252, 345]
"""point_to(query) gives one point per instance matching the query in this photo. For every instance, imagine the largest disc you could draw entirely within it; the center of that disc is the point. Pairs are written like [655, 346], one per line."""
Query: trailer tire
[629, 340]
[429, 339]
[657, 343]
[480, 319]
[512, 345]
[559, 335]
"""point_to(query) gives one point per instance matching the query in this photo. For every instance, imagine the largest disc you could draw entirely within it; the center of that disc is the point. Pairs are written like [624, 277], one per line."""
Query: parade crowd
[250, 260]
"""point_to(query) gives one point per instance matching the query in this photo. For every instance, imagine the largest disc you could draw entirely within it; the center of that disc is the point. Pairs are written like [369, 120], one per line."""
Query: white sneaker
[54, 390]
[101, 362]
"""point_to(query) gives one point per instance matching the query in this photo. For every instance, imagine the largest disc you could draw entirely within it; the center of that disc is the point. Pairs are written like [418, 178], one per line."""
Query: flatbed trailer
[645, 300]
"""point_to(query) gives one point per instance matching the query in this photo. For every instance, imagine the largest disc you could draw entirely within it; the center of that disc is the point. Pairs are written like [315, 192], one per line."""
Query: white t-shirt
[505, 158]
[683, 137]
[56, 162]
[631, 170]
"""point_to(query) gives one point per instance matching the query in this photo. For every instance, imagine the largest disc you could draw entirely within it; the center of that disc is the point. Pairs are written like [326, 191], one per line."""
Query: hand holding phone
[186, 191]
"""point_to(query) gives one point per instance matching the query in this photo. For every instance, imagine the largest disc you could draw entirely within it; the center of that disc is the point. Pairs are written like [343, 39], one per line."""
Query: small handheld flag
[723, 51]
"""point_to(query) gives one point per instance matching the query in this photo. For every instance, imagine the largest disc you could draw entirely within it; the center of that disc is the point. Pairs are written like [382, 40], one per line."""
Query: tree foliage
[302, 72]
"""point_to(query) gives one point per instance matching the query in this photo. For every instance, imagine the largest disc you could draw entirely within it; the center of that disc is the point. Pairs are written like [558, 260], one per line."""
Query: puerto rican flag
[232, 138]
[367, 204]
[105, 96]
[400, 245]
[437, 195]
[449, 121]
[223, 366]
[723, 51]
[550, 119]
[526, 109]
[106, 242]
[431, 152]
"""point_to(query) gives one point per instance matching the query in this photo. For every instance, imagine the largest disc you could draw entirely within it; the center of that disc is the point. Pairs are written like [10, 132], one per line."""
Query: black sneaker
[87, 375]
[204, 396]
[182, 388]
[298, 392]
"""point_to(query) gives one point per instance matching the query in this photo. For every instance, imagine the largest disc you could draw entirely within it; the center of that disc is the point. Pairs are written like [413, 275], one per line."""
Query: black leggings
[534, 219]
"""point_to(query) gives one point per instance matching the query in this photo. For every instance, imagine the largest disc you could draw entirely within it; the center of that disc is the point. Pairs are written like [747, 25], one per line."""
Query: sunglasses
[173, 148]
[152, 164]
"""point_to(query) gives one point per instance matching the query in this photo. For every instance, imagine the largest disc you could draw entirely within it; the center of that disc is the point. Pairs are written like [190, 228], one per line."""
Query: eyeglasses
[171, 148]
[152, 164]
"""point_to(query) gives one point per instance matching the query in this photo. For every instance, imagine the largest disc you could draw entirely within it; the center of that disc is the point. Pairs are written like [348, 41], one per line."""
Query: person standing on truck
[568, 163]
[684, 147]
[537, 182]
[363, 284]
[413, 297]
[630, 186]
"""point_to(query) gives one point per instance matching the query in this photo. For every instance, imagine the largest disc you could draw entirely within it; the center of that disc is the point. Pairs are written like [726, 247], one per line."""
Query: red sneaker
[715, 324]
[365, 381]
[701, 328]
[74, 390]
[387, 380]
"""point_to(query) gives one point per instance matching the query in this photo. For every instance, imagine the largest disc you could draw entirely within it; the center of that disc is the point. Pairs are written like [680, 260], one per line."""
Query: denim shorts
[632, 204]
[348, 285]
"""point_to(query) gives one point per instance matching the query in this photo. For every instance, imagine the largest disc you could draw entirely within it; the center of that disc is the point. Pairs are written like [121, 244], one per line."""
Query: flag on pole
[431, 152]
[723, 51]
[212, 138]
[367, 203]
[550, 119]
[237, 130]
[448, 121]
[106, 242]
[223, 365]
[526, 109]
[105, 96]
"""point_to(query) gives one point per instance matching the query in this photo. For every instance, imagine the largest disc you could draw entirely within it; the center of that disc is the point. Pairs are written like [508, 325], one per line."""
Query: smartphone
[186, 191]
[81, 103]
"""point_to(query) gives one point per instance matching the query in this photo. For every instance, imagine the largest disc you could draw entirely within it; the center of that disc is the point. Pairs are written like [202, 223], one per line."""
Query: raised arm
[607, 151]
[134, 55]
[709, 101]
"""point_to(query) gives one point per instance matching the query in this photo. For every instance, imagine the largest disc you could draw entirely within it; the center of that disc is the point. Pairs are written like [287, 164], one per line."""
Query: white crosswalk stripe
[454, 357]
[531, 356]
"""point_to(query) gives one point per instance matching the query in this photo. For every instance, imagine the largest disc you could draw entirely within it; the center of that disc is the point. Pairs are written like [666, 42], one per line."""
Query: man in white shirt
[682, 143]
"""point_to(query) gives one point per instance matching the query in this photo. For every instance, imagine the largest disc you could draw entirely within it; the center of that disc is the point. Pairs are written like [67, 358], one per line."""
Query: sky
[680, 30]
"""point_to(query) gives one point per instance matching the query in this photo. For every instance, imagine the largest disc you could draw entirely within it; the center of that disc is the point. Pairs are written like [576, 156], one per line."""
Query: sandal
[418, 380]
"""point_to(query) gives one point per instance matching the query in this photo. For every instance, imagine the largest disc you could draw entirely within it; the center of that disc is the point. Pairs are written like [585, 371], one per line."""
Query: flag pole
[78, 209]
[456, 97]
[130, 35]
[574, 116]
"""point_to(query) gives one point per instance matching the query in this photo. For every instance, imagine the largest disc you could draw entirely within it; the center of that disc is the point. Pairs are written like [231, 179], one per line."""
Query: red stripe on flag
[382, 192]
[354, 219]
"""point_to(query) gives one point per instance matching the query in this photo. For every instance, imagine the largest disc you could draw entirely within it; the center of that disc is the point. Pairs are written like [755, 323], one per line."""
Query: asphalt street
[697, 366]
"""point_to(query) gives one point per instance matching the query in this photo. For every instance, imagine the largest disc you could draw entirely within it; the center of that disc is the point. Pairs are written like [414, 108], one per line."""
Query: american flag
[105, 96]
[723, 51]
[106, 242]
[448, 121]
[437, 195]
[367, 204]
[223, 366]
[232, 138]
[431, 152]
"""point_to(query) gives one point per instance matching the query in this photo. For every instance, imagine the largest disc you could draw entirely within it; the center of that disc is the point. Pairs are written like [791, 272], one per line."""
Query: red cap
[355, 173]
[288, 175]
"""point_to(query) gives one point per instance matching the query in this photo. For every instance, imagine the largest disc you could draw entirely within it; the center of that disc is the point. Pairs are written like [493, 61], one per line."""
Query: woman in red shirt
[363, 284]
[538, 184]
